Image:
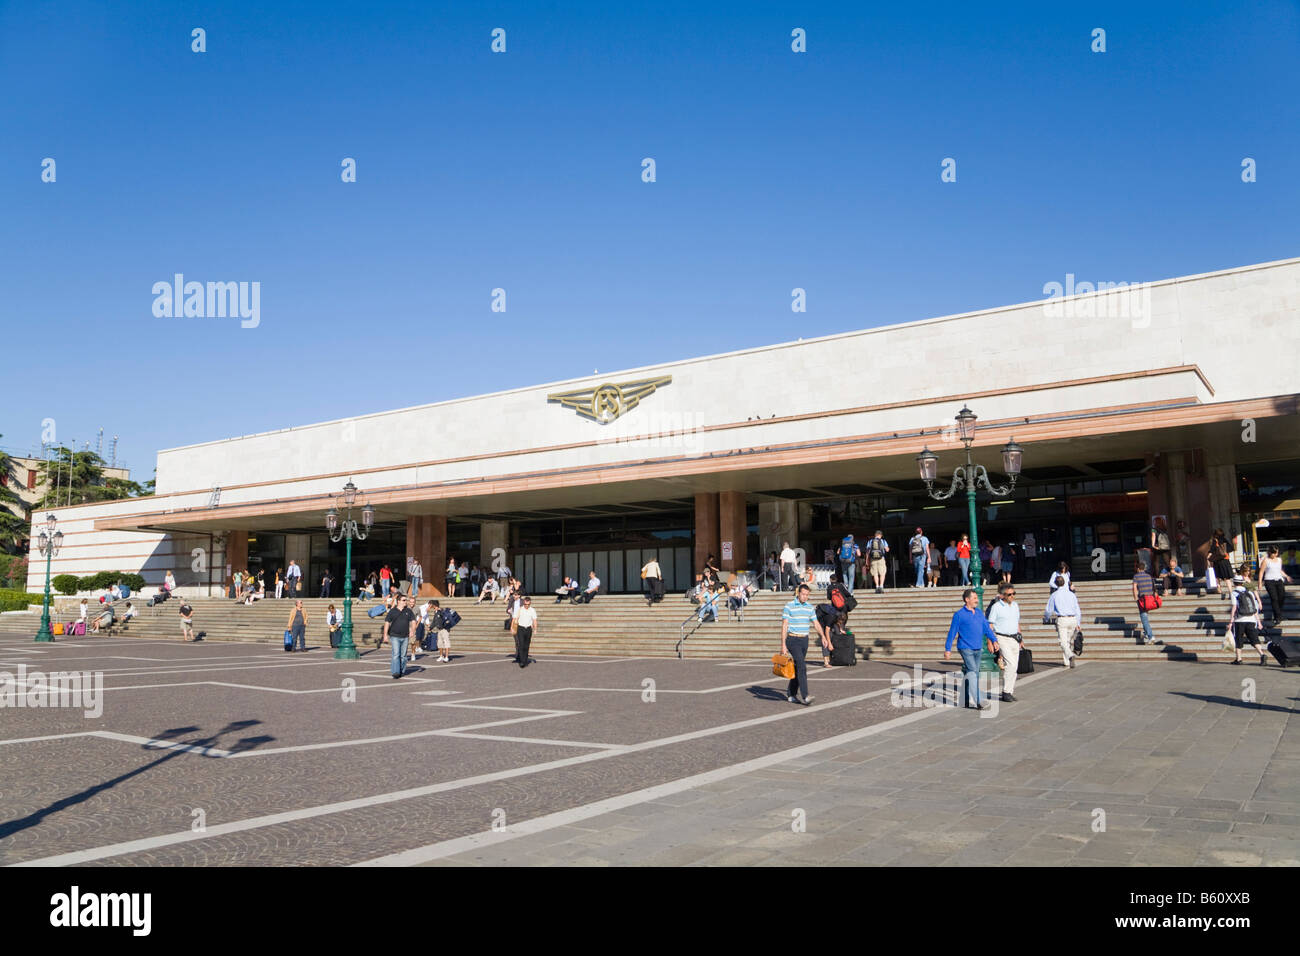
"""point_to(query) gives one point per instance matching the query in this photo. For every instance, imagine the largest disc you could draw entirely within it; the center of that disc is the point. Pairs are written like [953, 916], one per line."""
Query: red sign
[1106, 504]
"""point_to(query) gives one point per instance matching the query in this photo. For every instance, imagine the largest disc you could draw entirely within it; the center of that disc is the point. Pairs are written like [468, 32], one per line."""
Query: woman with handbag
[1219, 549]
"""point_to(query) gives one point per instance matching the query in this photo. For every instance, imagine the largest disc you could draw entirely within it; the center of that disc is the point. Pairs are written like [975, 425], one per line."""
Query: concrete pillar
[732, 530]
[236, 554]
[1193, 526]
[493, 535]
[706, 527]
[426, 541]
[778, 522]
[1225, 505]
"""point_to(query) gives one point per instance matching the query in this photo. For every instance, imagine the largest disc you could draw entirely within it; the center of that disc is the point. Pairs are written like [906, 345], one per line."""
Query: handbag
[1149, 602]
[783, 666]
[1078, 640]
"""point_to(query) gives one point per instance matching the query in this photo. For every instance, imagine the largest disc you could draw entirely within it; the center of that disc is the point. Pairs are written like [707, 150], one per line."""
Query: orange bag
[783, 666]
[58, 627]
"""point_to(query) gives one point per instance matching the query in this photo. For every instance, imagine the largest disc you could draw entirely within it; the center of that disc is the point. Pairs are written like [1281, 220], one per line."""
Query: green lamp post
[968, 476]
[50, 541]
[346, 530]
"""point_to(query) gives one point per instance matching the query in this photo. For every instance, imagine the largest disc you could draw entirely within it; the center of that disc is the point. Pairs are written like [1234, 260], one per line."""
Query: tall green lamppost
[968, 476]
[347, 529]
[50, 541]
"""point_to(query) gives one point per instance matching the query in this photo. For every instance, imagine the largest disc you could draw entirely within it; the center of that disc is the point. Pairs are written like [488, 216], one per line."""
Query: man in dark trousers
[397, 628]
[524, 626]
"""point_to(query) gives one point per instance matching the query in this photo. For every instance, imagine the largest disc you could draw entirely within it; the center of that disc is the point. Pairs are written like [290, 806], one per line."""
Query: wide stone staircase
[900, 625]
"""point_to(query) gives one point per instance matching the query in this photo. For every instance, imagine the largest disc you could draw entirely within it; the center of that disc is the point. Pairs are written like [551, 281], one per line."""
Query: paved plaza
[240, 755]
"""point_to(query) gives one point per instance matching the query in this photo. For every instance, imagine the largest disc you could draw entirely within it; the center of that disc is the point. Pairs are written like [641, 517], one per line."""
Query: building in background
[1131, 406]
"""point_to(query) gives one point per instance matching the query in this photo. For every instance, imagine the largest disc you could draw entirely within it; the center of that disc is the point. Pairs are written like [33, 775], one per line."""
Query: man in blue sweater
[970, 628]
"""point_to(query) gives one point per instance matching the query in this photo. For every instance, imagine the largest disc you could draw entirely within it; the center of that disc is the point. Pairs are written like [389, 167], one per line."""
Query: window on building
[31, 479]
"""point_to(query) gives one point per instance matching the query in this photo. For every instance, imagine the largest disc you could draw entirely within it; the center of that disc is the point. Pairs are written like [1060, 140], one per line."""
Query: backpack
[1247, 604]
[877, 547]
[918, 546]
[450, 618]
[846, 551]
[1162, 541]
[842, 600]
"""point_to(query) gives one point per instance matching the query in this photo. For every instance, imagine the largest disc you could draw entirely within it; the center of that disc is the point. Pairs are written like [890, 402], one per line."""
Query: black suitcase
[1026, 663]
[1286, 650]
[845, 653]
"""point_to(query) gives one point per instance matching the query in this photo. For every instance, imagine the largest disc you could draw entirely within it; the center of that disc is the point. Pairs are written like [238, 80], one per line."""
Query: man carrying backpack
[849, 554]
[877, 548]
[919, 550]
[1244, 624]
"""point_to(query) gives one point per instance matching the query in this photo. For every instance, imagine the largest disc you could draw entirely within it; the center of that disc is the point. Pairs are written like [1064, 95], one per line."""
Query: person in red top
[385, 579]
[963, 558]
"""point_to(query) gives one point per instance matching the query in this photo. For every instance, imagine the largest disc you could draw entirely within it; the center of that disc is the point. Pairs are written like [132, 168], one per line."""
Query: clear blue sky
[523, 171]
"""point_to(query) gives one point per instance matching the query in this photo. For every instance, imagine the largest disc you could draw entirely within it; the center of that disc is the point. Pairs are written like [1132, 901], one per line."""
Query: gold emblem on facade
[607, 402]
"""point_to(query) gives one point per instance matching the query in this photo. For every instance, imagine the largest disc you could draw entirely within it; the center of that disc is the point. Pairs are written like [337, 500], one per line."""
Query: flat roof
[917, 323]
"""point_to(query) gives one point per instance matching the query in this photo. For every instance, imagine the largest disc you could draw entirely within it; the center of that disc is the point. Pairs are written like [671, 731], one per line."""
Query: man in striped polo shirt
[797, 619]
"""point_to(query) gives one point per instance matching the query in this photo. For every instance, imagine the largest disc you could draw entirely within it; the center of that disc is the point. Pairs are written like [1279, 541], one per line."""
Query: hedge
[64, 583]
[70, 584]
[18, 600]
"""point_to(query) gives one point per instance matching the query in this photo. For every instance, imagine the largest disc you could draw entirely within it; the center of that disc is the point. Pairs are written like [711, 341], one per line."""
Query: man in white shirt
[523, 625]
[593, 585]
[1063, 611]
[1004, 618]
[788, 560]
[293, 577]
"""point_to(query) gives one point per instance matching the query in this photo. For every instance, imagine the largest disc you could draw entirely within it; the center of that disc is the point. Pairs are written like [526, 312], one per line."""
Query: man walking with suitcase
[1004, 618]
[797, 619]
[1063, 611]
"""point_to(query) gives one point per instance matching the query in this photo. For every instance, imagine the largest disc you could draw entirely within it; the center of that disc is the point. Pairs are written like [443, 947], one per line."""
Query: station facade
[1177, 401]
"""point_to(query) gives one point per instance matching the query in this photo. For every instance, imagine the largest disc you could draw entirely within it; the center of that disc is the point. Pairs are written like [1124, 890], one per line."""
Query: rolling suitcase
[1026, 663]
[1286, 650]
[846, 650]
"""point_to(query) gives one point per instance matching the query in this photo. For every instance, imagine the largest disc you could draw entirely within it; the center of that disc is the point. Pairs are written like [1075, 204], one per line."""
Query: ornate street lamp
[50, 541]
[347, 529]
[968, 476]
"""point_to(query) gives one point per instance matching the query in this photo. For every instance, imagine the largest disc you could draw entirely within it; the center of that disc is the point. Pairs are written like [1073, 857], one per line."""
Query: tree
[77, 477]
[15, 522]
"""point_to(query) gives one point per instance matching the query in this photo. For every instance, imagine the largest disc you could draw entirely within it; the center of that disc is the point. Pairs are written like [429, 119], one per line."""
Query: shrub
[18, 600]
[65, 583]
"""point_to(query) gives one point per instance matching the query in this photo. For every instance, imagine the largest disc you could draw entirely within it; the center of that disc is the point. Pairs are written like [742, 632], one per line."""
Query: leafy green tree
[77, 477]
[15, 522]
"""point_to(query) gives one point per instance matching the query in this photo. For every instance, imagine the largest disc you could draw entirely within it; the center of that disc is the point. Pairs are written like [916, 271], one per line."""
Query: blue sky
[522, 171]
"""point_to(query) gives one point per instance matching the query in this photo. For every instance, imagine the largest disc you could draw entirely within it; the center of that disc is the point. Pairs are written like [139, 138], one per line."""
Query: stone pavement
[1184, 771]
[239, 755]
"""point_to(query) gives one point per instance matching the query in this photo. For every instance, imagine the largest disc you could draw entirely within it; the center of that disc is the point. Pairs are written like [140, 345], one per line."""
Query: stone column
[1193, 526]
[493, 535]
[706, 528]
[732, 528]
[778, 522]
[426, 541]
[236, 554]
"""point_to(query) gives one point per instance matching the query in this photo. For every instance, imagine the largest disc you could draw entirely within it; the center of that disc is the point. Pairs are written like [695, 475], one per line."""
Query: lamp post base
[44, 635]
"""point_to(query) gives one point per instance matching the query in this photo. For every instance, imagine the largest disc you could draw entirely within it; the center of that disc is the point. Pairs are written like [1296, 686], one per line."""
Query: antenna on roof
[114, 462]
[99, 444]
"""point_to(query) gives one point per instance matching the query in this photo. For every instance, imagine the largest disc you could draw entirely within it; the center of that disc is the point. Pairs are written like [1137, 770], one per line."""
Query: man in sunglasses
[1004, 618]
